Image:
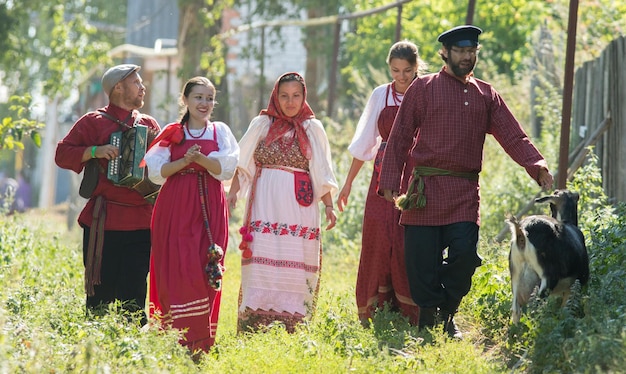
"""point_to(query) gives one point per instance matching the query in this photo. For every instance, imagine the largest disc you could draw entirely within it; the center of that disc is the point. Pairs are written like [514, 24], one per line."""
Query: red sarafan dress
[180, 294]
[382, 272]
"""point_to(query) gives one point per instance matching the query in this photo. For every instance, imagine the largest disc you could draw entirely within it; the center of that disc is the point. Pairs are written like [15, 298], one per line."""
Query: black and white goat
[548, 252]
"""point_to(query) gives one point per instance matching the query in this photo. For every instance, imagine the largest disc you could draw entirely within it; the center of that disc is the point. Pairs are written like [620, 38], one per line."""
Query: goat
[548, 252]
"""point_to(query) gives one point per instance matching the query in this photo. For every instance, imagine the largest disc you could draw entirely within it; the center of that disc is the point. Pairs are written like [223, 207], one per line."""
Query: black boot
[449, 327]
[427, 317]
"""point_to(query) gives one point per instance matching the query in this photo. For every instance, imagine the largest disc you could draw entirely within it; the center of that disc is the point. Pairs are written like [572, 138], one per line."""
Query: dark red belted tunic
[451, 120]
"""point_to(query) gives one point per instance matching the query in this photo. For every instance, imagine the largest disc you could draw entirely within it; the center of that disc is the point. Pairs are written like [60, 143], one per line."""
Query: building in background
[151, 42]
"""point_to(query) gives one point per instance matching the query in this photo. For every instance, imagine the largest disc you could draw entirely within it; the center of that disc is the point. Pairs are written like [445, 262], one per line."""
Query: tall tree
[48, 48]
[200, 47]
[317, 39]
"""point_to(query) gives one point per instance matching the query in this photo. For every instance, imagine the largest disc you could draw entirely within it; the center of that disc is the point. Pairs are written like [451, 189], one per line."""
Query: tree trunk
[192, 37]
[315, 66]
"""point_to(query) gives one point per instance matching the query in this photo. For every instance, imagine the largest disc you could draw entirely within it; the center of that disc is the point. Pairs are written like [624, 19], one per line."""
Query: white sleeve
[228, 153]
[367, 139]
[259, 126]
[320, 165]
[155, 158]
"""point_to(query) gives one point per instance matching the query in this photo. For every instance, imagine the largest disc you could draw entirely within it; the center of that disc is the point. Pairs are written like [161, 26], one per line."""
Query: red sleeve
[86, 132]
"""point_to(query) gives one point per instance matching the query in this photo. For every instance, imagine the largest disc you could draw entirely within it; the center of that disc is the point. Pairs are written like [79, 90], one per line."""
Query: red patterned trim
[305, 232]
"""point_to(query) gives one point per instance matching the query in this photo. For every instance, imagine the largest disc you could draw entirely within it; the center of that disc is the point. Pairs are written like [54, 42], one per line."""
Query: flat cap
[461, 36]
[116, 74]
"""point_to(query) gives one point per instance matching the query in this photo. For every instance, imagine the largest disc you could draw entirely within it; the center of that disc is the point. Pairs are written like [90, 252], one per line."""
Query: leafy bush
[588, 334]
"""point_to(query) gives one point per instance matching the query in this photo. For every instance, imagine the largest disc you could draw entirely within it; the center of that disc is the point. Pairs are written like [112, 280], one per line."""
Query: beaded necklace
[201, 134]
[395, 95]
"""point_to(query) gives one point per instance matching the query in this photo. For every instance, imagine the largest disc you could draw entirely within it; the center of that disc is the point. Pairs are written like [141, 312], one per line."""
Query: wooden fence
[599, 100]
[599, 120]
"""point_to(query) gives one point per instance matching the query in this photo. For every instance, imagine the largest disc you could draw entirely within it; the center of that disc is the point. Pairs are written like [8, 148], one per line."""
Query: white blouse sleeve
[155, 158]
[259, 126]
[228, 153]
[320, 165]
[367, 139]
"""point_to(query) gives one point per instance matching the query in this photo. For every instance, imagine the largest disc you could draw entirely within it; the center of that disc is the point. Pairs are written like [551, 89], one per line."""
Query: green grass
[43, 328]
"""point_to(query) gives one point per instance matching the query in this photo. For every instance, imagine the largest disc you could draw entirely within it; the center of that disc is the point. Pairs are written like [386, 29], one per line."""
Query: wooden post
[399, 24]
[332, 81]
[262, 71]
[568, 84]
[469, 18]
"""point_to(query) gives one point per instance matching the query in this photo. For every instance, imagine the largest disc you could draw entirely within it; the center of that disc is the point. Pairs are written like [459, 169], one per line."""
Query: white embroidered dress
[282, 276]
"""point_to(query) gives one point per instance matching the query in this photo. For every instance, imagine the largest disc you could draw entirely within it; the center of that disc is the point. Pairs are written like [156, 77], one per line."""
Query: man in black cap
[449, 113]
[116, 219]
[462, 41]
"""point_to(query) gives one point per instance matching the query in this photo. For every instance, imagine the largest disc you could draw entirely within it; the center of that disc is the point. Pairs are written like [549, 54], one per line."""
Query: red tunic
[126, 209]
[451, 119]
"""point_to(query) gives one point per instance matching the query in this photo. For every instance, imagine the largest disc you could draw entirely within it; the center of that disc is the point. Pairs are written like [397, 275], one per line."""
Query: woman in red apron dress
[190, 215]
[382, 276]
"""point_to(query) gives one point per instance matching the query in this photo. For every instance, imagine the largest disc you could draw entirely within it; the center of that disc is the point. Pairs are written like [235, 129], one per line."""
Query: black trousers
[125, 266]
[440, 278]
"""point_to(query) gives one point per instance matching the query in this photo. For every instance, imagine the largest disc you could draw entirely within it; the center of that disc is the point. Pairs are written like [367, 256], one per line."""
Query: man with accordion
[116, 218]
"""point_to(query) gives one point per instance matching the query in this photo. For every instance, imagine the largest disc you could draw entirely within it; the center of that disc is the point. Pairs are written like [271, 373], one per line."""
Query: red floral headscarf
[281, 123]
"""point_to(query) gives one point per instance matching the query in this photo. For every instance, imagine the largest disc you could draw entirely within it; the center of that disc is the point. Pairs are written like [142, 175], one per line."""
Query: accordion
[124, 170]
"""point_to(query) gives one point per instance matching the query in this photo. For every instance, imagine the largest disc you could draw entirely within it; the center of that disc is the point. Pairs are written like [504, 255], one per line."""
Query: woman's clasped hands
[193, 154]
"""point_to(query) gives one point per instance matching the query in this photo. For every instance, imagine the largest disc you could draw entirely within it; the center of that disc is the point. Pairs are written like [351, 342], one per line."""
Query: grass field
[43, 328]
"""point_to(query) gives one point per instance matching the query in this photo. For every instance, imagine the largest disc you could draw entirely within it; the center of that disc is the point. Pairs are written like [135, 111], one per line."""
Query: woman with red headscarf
[284, 171]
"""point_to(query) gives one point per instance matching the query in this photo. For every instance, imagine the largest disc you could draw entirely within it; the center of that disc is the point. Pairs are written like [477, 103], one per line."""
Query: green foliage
[54, 44]
[18, 124]
[49, 48]
[588, 333]
[7, 21]
[44, 328]
[507, 38]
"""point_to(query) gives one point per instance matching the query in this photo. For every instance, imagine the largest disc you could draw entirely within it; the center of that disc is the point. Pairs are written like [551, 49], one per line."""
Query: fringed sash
[94, 249]
[93, 264]
[414, 197]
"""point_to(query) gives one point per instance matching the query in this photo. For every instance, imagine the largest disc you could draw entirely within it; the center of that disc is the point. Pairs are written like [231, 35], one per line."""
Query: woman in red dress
[190, 159]
[382, 275]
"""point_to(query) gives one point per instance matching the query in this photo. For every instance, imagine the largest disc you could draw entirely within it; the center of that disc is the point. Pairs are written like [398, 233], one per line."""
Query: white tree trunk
[46, 168]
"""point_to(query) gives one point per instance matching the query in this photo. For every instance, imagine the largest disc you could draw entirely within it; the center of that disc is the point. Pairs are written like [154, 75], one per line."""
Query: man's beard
[462, 72]
[137, 102]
